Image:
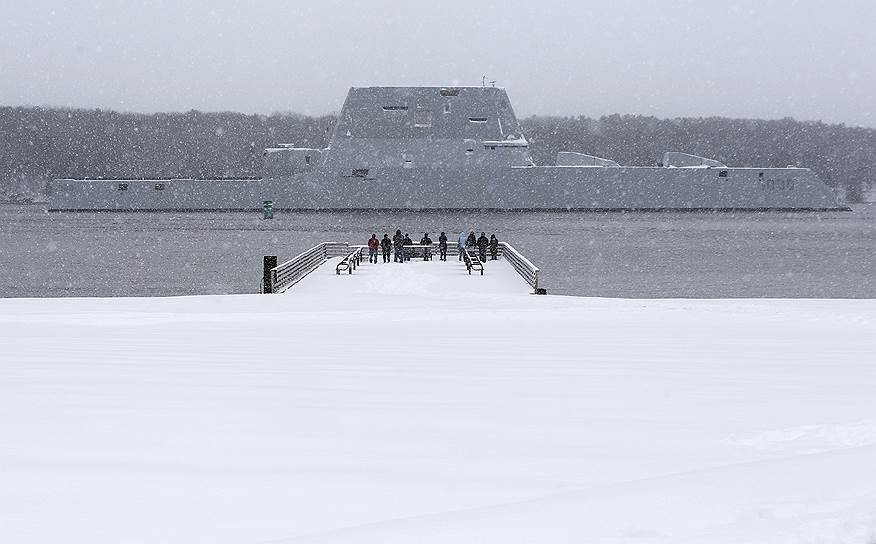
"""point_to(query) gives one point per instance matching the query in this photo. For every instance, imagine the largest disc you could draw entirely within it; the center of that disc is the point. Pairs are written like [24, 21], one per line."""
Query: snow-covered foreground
[457, 415]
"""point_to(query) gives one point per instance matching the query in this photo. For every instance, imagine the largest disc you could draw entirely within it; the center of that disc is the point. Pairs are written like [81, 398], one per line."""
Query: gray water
[635, 254]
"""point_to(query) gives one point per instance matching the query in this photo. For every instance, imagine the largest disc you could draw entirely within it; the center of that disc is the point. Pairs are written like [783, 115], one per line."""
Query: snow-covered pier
[510, 272]
[413, 277]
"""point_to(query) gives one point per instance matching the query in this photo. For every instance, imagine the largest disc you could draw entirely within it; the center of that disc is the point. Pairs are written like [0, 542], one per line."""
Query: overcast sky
[737, 58]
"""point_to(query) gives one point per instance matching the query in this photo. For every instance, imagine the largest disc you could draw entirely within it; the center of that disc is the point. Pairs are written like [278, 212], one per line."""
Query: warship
[452, 148]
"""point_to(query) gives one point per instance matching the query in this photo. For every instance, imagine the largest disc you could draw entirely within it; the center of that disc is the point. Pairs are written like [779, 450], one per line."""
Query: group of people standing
[396, 246]
[482, 243]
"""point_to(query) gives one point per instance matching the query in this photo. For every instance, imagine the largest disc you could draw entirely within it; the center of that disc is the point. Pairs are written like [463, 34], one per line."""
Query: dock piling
[270, 262]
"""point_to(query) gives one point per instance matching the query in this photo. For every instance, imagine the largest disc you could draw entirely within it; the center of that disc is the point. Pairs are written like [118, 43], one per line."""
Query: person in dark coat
[386, 246]
[407, 242]
[442, 246]
[471, 241]
[494, 247]
[398, 243]
[483, 243]
[373, 246]
[426, 242]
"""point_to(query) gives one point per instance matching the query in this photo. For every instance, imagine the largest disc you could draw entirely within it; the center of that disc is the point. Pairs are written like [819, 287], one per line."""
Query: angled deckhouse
[452, 148]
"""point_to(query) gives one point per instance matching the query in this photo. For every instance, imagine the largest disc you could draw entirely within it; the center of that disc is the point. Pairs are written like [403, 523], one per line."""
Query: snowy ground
[460, 410]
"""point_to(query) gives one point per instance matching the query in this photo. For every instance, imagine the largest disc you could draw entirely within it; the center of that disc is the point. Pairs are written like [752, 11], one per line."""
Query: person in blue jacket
[460, 244]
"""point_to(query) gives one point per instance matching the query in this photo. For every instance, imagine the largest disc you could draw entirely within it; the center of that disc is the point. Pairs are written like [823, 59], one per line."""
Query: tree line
[38, 144]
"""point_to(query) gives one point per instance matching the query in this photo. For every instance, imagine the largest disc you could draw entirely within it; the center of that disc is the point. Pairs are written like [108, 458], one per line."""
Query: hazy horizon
[738, 59]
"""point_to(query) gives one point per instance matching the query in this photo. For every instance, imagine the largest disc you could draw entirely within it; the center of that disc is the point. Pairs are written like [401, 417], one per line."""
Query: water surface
[634, 254]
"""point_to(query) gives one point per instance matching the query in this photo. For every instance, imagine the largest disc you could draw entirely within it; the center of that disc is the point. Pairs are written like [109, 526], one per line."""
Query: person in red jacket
[373, 247]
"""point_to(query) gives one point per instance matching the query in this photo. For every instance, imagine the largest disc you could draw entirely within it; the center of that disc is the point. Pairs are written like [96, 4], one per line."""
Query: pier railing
[287, 274]
[522, 265]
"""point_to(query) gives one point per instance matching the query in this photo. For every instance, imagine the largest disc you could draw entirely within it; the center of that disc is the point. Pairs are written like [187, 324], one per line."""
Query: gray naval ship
[452, 148]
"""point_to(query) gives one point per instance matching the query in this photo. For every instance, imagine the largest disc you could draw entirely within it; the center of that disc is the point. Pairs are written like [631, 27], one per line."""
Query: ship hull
[510, 188]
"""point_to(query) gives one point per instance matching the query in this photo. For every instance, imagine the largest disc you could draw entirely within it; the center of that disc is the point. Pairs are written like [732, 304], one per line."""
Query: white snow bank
[416, 416]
